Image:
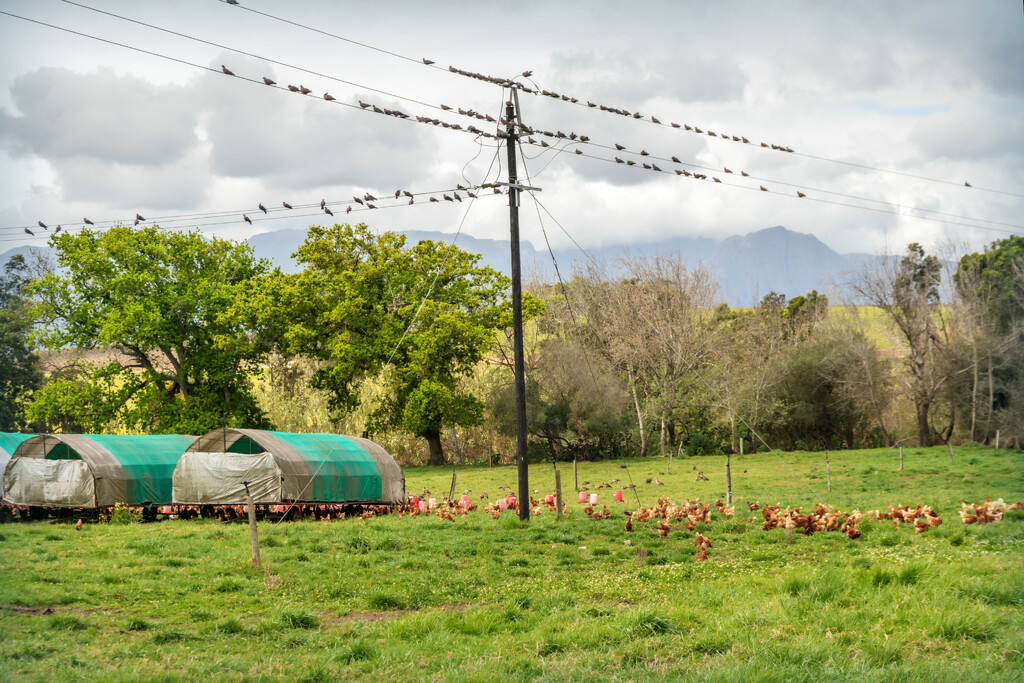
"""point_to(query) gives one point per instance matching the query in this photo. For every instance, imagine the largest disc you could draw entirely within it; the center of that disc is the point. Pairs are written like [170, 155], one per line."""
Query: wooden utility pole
[517, 311]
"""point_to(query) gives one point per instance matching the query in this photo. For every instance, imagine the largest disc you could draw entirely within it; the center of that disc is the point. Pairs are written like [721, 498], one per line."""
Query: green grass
[477, 598]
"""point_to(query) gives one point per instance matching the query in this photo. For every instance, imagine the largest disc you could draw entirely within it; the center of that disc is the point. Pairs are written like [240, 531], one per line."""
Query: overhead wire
[895, 209]
[635, 116]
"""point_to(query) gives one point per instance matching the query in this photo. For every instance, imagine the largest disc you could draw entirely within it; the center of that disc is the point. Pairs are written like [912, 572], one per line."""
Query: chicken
[629, 524]
[664, 528]
[78, 526]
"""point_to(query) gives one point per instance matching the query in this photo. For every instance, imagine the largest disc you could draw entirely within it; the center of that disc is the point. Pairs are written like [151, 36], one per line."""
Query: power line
[636, 116]
[251, 54]
[257, 217]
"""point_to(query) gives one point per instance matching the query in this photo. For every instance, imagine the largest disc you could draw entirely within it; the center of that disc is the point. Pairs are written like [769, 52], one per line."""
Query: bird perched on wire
[304, 90]
[263, 208]
[57, 230]
[246, 219]
[226, 70]
[87, 221]
[428, 62]
[268, 81]
[30, 232]
[527, 74]
[328, 211]
[328, 97]
[293, 88]
[286, 205]
[139, 217]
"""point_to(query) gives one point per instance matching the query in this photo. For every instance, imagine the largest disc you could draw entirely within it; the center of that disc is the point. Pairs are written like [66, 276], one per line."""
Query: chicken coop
[281, 467]
[95, 470]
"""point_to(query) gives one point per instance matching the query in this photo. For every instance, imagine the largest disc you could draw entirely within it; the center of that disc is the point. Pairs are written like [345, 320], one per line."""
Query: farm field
[554, 599]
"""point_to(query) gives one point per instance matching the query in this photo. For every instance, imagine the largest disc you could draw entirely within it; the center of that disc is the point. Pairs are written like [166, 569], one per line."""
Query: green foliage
[164, 300]
[19, 365]
[352, 305]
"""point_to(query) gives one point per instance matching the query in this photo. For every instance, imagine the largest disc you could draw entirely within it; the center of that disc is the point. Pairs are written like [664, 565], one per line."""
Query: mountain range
[747, 266]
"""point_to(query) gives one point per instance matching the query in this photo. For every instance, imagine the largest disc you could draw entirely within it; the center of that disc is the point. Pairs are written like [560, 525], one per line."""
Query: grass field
[483, 599]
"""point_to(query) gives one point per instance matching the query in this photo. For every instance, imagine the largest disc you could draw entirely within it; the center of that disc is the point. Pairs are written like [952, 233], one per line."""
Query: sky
[889, 109]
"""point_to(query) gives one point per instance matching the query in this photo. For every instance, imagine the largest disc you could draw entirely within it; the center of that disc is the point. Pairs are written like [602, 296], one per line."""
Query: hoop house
[280, 467]
[95, 470]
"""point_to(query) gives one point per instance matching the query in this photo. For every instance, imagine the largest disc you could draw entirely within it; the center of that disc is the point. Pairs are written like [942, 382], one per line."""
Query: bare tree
[907, 290]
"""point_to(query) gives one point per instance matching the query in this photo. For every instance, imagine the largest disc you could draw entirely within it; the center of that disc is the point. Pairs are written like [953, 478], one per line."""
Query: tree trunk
[974, 388]
[735, 434]
[663, 435]
[923, 430]
[436, 450]
[460, 457]
[639, 413]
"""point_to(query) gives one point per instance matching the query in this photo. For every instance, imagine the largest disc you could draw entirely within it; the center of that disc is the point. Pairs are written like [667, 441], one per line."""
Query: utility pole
[517, 313]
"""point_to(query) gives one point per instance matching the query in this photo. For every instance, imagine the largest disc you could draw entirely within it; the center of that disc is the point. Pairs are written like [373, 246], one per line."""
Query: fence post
[451, 493]
[558, 493]
[997, 438]
[741, 445]
[252, 526]
[728, 481]
[948, 443]
[575, 478]
[901, 458]
[828, 472]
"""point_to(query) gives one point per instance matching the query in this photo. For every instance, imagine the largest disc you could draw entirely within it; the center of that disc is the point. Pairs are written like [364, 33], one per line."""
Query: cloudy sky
[889, 108]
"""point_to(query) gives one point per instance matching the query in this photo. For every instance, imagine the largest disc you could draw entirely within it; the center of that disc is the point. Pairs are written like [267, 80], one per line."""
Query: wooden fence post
[728, 481]
[558, 493]
[252, 527]
[901, 458]
[997, 438]
[828, 472]
[451, 493]
[951, 452]
[575, 478]
[741, 445]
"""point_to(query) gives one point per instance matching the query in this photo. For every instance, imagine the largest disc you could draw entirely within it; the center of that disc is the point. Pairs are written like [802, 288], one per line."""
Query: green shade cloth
[319, 468]
[9, 441]
[129, 469]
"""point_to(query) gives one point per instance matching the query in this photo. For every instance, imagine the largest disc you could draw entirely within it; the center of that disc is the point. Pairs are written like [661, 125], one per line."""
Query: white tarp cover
[216, 478]
[63, 483]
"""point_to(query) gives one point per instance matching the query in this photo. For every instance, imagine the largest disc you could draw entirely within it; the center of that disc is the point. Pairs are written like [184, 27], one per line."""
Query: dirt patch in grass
[19, 609]
[372, 616]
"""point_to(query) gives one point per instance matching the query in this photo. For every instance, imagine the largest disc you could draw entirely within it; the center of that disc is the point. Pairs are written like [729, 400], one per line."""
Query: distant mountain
[747, 266]
[779, 260]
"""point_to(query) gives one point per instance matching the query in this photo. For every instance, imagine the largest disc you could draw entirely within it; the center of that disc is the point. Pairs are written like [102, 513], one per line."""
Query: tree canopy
[365, 303]
[19, 365]
[162, 303]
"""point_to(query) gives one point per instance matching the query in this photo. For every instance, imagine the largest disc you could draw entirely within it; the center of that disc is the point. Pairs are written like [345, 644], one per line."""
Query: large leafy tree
[421, 317]
[162, 303]
[19, 365]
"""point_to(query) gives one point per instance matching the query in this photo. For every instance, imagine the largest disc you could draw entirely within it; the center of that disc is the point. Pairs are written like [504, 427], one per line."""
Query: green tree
[424, 315]
[162, 302]
[19, 365]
